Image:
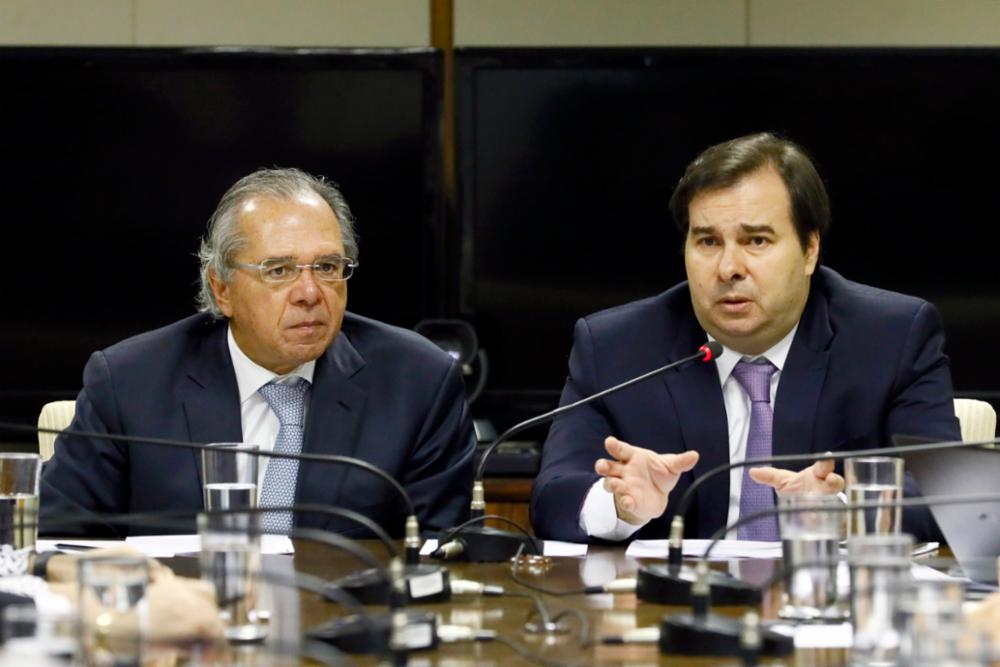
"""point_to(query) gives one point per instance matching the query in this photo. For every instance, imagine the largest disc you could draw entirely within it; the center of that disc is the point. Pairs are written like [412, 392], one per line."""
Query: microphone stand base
[671, 584]
[711, 634]
[424, 583]
[482, 544]
[351, 634]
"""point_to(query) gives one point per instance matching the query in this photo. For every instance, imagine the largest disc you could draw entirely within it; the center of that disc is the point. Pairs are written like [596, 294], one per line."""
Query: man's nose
[732, 264]
[305, 288]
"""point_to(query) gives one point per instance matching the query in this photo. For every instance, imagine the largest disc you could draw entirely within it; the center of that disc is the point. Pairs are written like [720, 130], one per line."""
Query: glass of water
[229, 477]
[929, 616]
[809, 541]
[231, 561]
[19, 475]
[874, 479]
[114, 613]
[880, 574]
[48, 633]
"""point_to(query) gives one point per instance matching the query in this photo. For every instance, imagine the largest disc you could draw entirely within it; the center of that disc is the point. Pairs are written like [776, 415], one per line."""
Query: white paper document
[167, 546]
[69, 545]
[724, 550]
[839, 635]
[549, 548]
[161, 546]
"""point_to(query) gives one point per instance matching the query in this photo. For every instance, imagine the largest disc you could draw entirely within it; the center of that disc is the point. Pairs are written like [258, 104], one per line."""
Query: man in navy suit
[275, 261]
[846, 366]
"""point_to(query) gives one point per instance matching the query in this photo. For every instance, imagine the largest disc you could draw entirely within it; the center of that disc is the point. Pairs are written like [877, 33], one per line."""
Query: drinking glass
[929, 617]
[230, 478]
[809, 541]
[44, 633]
[18, 510]
[113, 609]
[880, 572]
[231, 561]
[874, 479]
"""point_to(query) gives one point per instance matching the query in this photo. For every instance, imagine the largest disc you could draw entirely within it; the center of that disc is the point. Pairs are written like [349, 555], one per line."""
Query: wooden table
[608, 615]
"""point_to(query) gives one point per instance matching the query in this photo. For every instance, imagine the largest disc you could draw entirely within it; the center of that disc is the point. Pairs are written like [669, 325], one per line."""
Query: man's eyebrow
[757, 229]
[701, 229]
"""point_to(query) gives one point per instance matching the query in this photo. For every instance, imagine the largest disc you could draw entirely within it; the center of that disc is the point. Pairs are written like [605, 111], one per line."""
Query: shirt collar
[250, 376]
[777, 354]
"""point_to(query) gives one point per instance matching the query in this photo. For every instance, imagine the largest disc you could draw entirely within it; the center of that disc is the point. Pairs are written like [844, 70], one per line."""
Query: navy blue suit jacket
[865, 364]
[379, 393]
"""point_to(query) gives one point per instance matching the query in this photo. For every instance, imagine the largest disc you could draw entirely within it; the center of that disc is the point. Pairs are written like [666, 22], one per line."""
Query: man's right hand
[641, 479]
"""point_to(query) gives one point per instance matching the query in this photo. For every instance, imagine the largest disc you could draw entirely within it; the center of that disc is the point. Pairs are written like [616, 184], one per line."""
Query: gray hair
[224, 237]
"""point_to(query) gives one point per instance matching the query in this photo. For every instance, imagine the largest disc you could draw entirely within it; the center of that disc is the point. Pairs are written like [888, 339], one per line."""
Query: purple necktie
[755, 378]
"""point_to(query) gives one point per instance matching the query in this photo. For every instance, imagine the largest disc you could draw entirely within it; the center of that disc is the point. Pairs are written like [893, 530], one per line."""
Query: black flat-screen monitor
[568, 157]
[113, 160]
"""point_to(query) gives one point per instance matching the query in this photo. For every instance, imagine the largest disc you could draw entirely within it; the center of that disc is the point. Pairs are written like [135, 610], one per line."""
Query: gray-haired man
[272, 360]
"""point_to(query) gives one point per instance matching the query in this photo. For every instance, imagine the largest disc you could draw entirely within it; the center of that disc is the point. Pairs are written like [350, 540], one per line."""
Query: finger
[678, 463]
[626, 502]
[833, 483]
[615, 485]
[822, 468]
[609, 468]
[619, 449]
[776, 478]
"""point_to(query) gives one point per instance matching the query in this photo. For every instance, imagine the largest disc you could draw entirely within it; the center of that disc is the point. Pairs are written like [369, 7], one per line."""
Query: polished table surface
[607, 614]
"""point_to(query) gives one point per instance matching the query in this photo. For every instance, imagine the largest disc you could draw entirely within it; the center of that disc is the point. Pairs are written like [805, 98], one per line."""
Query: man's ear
[812, 253]
[220, 290]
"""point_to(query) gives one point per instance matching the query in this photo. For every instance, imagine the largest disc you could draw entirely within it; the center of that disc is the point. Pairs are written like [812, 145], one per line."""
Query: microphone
[482, 544]
[704, 633]
[671, 583]
[430, 582]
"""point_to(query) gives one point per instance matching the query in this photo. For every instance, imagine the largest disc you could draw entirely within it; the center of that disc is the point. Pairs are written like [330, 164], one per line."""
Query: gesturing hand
[641, 479]
[818, 478]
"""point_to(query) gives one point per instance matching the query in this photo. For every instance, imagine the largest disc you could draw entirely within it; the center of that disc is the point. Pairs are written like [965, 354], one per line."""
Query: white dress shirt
[598, 517]
[260, 423]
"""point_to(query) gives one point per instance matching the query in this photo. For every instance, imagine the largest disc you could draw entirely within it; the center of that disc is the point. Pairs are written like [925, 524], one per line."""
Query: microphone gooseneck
[412, 541]
[703, 633]
[675, 555]
[706, 352]
[492, 545]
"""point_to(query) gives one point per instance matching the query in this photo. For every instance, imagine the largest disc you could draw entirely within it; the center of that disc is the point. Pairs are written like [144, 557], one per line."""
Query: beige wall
[392, 23]
[727, 22]
[349, 23]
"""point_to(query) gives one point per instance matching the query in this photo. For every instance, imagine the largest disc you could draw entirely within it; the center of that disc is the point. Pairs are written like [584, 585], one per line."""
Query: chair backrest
[977, 418]
[54, 415]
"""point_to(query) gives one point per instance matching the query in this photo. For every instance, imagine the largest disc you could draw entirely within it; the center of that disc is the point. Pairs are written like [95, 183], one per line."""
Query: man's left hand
[818, 478]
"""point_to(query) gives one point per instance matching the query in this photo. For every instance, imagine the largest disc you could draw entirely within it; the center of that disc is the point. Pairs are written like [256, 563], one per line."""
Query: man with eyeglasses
[272, 360]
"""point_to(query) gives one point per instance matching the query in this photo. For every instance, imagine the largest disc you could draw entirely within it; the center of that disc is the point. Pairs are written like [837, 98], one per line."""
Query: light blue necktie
[755, 378]
[288, 402]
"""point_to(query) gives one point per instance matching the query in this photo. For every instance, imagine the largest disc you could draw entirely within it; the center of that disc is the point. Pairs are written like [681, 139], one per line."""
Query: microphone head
[712, 350]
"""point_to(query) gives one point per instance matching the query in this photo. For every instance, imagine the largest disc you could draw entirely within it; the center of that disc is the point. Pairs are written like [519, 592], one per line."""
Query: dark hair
[723, 165]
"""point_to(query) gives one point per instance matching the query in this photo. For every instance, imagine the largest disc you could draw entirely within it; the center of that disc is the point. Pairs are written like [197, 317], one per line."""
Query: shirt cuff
[598, 517]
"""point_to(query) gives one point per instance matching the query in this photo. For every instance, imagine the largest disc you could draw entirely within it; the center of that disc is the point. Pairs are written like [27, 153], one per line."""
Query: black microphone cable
[412, 540]
[703, 633]
[670, 583]
[677, 523]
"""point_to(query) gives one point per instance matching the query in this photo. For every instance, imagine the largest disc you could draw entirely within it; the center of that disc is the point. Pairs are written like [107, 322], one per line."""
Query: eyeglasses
[329, 269]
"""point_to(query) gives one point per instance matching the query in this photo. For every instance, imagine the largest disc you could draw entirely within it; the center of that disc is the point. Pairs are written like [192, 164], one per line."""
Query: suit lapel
[336, 405]
[701, 412]
[211, 398]
[802, 379]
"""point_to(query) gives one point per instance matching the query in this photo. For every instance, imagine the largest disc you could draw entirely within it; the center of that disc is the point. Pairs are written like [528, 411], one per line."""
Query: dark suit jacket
[379, 393]
[864, 364]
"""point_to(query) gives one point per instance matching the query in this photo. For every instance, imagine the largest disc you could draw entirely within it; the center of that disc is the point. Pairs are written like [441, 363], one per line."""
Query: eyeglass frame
[349, 265]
